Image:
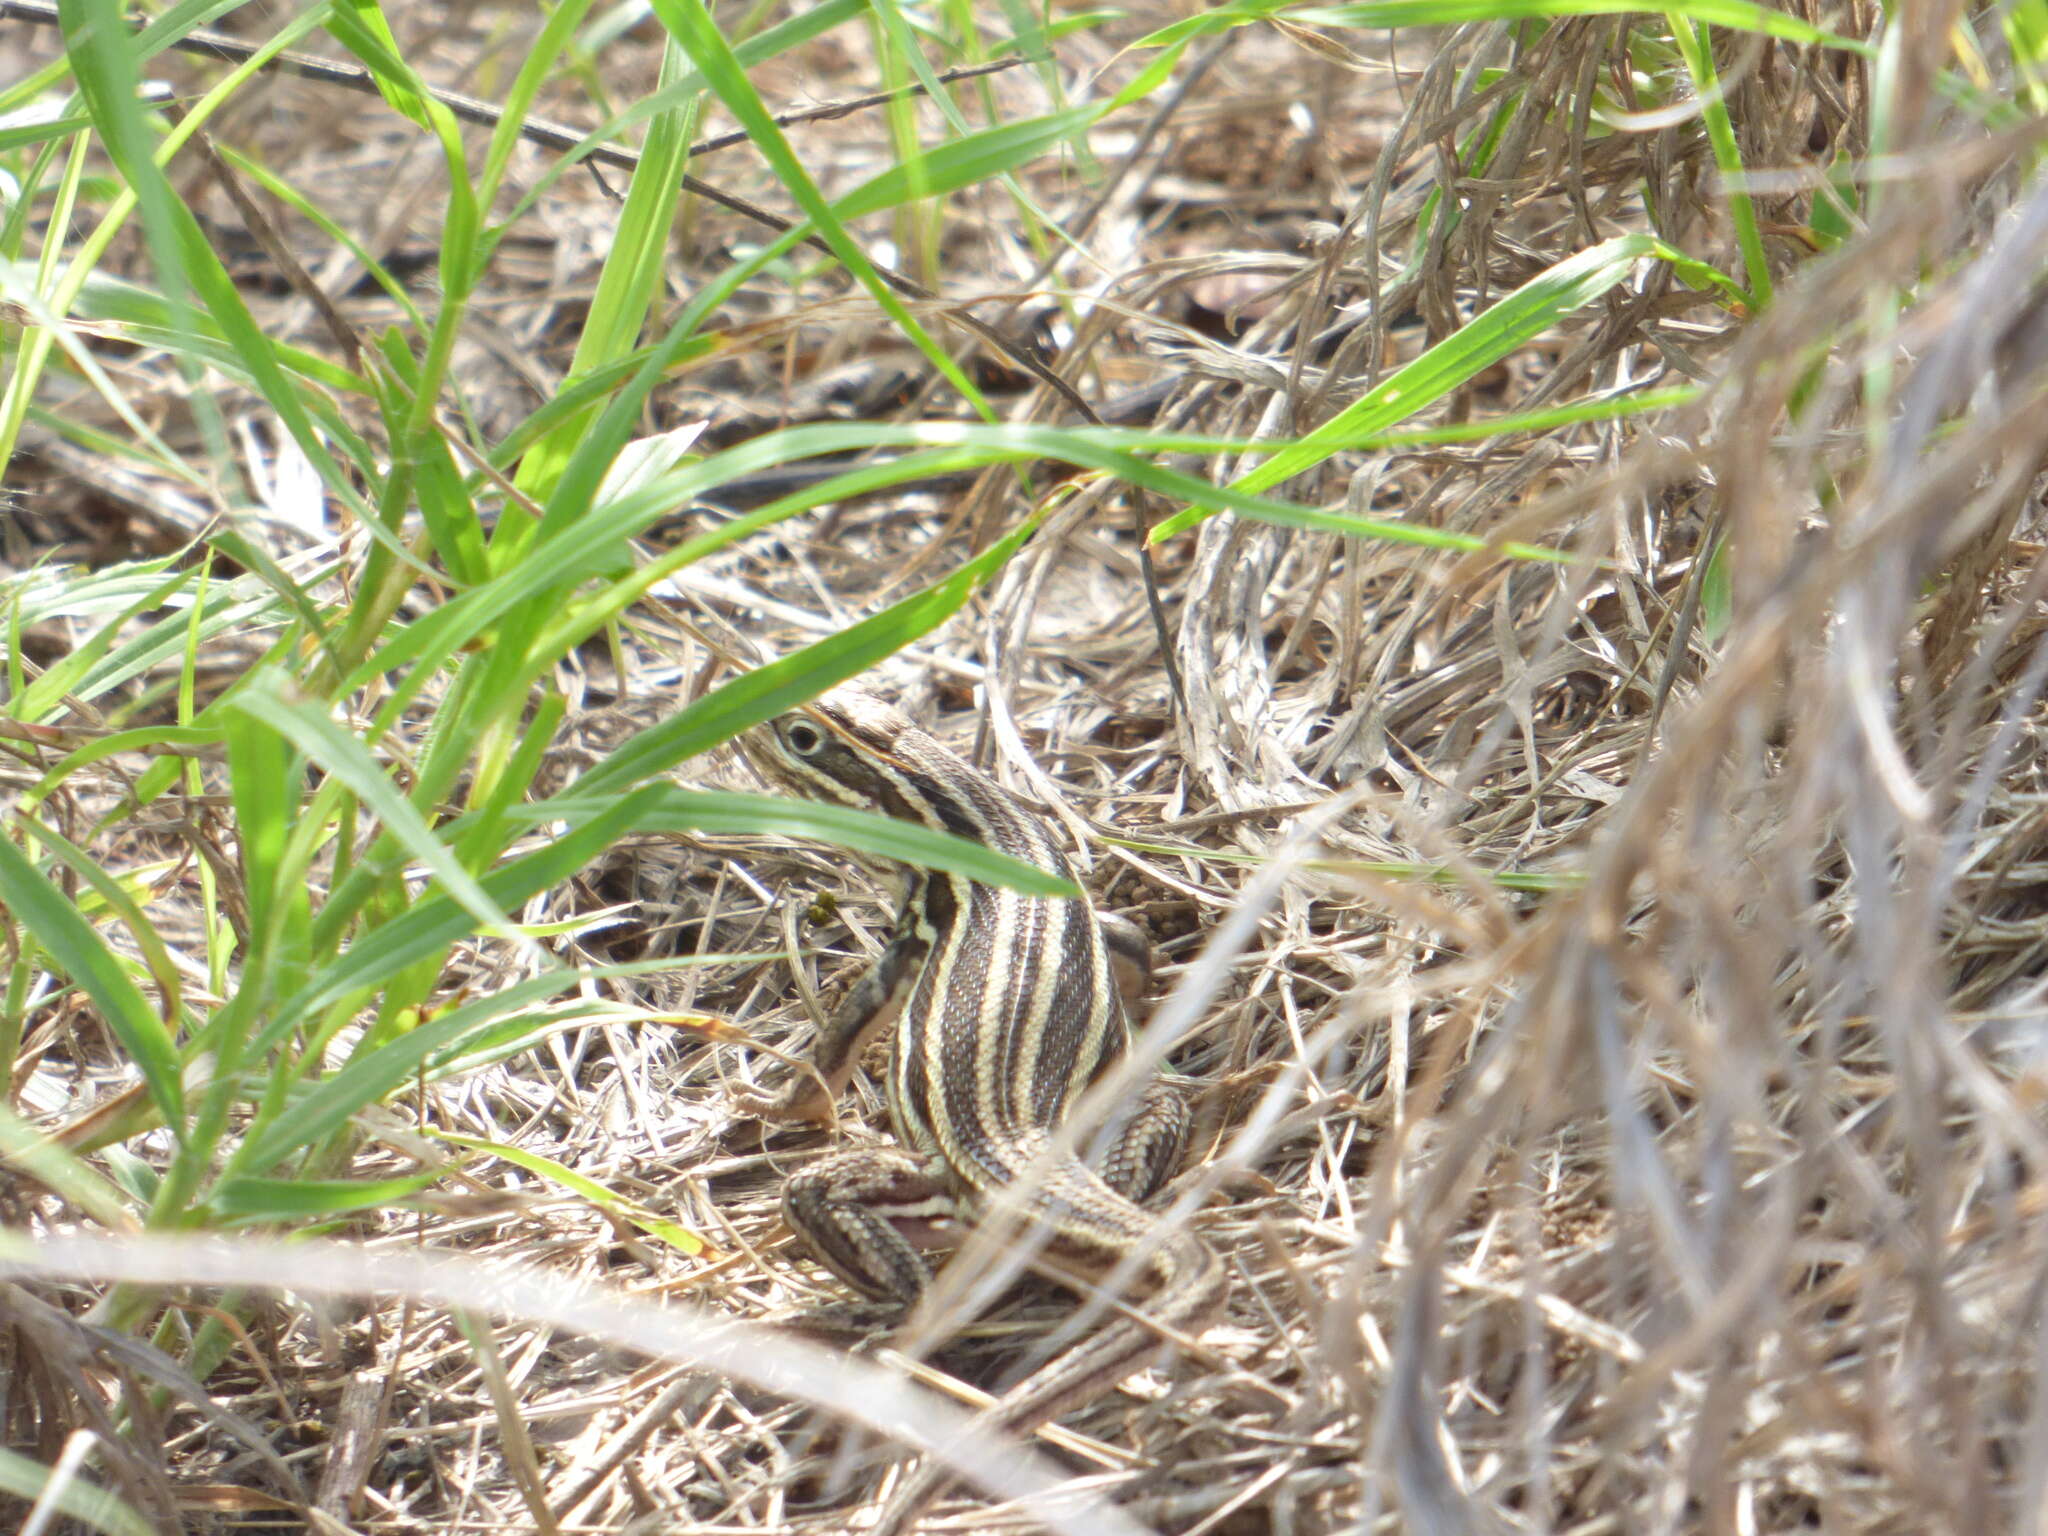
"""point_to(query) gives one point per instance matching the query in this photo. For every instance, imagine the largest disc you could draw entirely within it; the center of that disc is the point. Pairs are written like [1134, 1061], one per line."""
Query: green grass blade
[312, 731]
[782, 684]
[1375, 15]
[375, 1073]
[87, 1503]
[967, 161]
[97, 38]
[428, 927]
[680, 1238]
[103, 58]
[150, 320]
[1516, 320]
[77, 949]
[114, 895]
[31, 1151]
[691, 25]
[669, 808]
[292, 1202]
[1698, 50]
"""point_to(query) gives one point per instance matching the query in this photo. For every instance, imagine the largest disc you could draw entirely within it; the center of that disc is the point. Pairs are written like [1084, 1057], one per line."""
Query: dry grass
[1673, 1164]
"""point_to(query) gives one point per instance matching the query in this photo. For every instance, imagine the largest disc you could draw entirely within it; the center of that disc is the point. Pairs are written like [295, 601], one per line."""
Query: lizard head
[848, 747]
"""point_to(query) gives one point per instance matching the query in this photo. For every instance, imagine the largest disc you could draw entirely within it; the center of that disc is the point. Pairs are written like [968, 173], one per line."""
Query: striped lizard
[1005, 1007]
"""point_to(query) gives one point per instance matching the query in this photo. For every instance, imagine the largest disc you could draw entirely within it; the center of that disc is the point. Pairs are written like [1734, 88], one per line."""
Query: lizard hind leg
[868, 1215]
[1148, 1147]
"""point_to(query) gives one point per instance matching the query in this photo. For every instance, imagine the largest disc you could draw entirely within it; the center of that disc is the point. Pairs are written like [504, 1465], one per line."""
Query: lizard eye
[803, 737]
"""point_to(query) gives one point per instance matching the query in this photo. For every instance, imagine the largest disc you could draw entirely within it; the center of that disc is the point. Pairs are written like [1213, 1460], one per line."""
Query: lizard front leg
[866, 1010]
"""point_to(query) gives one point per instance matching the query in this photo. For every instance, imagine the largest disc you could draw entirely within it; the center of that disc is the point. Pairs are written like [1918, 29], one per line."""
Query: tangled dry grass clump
[1609, 985]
